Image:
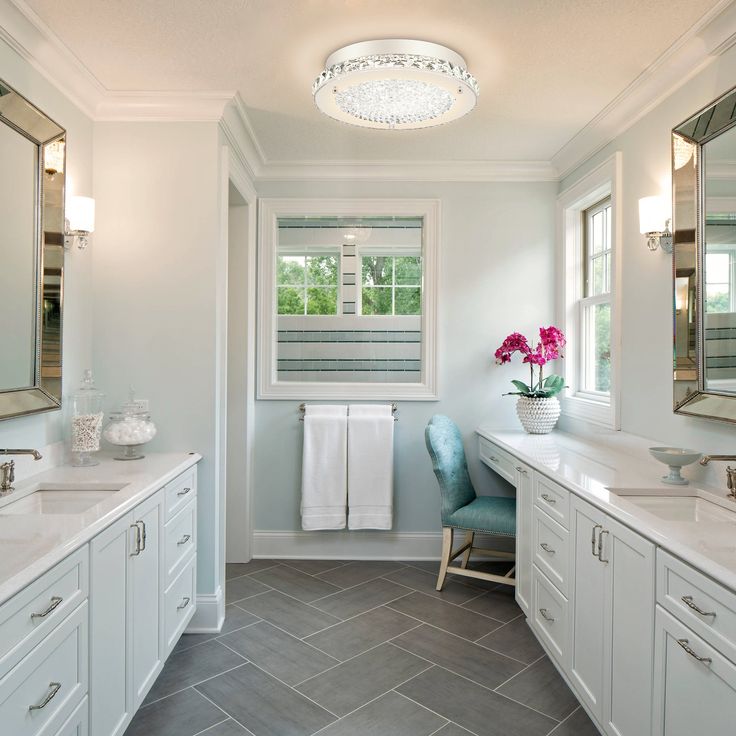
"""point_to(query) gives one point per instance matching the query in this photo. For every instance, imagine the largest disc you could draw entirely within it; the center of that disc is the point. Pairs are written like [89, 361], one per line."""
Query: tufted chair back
[445, 446]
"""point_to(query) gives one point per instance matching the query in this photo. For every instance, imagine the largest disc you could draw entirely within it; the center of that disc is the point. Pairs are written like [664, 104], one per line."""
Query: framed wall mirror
[347, 299]
[33, 156]
[704, 264]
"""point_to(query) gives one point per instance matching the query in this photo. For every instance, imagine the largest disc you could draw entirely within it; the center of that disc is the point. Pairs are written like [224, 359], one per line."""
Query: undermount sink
[58, 501]
[677, 506]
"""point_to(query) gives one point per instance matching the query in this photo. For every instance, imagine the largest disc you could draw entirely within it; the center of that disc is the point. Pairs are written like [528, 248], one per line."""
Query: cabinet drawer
[179, 605]
[78, 722]
[497, 459]
[552, 499]
[41, 692]
[549, 614]
[31, 614]
[180, 539]
[694, 687]
[179, 492]
[703, 605]
[551, 549]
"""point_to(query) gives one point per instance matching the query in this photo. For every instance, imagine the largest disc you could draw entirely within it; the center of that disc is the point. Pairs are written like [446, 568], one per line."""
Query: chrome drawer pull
[688, 601]
[183, 491]
[137, 549]
[493, 459]
[521, 470]
[547, 548]
[54, 688]
[546, 615]
[184, 603]
[549, 499]
[600, 546]
[184, 539]
[592, 539]
[684, 644]
[55, 602]
[143, 534]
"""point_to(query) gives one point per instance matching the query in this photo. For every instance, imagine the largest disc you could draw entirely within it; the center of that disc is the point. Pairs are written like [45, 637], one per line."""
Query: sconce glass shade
[80, 214]
[652, 215]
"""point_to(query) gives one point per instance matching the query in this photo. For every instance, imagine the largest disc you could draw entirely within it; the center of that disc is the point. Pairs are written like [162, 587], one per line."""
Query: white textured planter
[537, 415]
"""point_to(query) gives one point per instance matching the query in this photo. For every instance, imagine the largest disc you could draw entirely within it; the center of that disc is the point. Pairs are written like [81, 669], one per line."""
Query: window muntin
[595, 303]
[307, 283]
[391, 285]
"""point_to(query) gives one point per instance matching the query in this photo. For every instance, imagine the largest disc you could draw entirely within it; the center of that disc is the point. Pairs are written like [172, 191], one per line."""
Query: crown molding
[35, 42]
[444, 171]
[711, 36]
[163, 106]
[27, 34]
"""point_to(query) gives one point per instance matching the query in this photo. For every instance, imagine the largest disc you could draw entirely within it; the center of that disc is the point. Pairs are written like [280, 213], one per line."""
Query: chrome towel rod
[303, 408]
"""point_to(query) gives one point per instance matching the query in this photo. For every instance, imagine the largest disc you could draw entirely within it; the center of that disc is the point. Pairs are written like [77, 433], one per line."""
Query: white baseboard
[358, 545]
[210, 614]
[345, 545]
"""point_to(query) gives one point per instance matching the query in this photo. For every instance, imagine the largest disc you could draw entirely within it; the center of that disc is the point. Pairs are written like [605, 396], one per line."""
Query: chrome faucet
[730, 472]
[7, 469]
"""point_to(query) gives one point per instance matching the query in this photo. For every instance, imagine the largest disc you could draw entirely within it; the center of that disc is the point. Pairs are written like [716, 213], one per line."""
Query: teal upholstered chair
[462, 508]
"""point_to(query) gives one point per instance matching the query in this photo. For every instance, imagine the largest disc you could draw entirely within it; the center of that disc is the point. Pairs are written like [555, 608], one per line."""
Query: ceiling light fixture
[395, 83]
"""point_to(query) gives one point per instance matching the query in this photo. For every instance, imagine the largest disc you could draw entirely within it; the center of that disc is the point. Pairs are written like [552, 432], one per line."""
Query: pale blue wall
[496, 276]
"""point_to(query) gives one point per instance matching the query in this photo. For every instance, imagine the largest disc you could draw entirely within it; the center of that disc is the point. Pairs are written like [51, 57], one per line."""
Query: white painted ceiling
[545, 67]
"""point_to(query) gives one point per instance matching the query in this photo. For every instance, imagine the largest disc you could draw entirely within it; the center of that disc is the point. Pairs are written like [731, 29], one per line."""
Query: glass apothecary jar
[86, 422]
[130, 429]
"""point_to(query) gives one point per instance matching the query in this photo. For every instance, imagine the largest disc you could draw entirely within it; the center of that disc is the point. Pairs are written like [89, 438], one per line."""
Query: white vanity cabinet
[524, 479]
[611, 620]
[126, 615]
[129, 598]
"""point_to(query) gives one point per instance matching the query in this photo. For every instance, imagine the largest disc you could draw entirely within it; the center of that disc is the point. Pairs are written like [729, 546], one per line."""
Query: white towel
[370, 466]
[324, 467]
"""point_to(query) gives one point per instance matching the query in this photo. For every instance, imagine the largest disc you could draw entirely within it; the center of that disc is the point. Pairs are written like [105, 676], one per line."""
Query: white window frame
[268, 384]
[604, 181]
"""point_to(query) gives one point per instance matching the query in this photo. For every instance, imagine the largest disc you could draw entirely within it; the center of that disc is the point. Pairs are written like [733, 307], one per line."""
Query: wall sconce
[80, 221]
[654, 222]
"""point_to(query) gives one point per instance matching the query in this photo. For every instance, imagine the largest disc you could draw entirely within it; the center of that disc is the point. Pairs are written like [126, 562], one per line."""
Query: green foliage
[720, 302]
[550, 386]
[307, 284]
[382, 275]
[603, 347]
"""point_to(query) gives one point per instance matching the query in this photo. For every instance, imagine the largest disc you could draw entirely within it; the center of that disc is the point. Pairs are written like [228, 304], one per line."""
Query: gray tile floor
[360, 649]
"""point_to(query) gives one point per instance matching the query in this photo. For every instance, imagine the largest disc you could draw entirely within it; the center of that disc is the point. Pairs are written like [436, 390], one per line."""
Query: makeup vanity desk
[632, 594]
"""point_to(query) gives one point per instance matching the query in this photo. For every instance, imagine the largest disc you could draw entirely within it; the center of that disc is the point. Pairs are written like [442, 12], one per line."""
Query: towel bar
[303, 408]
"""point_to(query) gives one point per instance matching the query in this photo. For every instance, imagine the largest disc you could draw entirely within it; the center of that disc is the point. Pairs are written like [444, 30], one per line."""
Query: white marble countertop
[32, 543]
[590, 467]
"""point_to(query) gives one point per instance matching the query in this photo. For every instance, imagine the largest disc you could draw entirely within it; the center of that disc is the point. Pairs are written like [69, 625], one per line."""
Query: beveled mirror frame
[688, 210]
[30, 122]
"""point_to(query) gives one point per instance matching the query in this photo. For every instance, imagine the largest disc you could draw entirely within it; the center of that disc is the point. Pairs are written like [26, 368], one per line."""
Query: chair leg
[446, 552]
[469, 536]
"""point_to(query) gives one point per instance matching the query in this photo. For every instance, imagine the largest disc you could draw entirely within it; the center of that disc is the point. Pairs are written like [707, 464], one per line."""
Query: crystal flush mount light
[396, 84]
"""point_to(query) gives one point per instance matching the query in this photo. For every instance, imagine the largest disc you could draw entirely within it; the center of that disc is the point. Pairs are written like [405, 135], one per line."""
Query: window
[595, 304]
[347, 299]
[307, 284]
[589, 306]
[391, 285]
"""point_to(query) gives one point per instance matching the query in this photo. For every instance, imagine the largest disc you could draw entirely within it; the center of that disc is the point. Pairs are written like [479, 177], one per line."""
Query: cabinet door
[524, 502]
[146, 592]
[587, 606]
[110, 696]
[629, 630]
[691, 695]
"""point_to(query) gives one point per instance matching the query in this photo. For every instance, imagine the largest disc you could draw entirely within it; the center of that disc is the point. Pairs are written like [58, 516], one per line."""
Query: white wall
[646, 397]
[156, 254]
[44, 429]
[496, 276]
